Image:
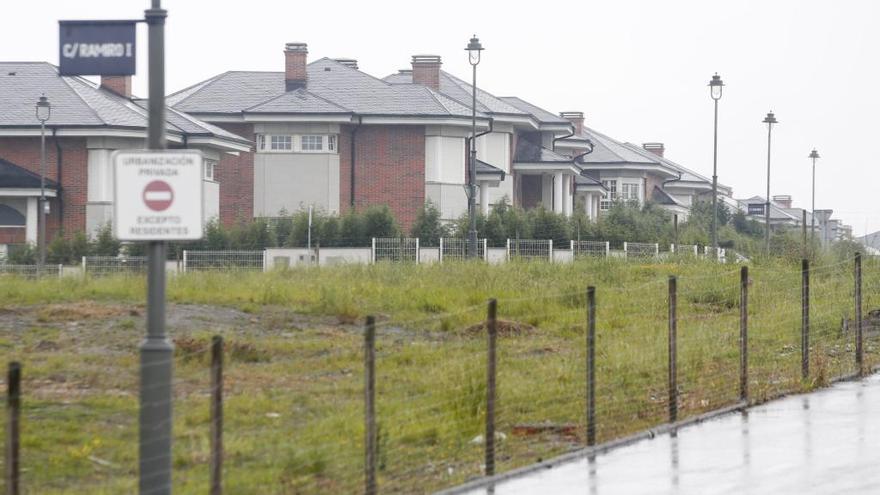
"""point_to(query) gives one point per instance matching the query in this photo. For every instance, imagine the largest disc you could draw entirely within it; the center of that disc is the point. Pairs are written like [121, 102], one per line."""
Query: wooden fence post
[216, 415]
[491, 327]
[371, 460]
[673, 331]
[13, 423]
[805, 319]
[744, 334]
[591, 366]
[860, 349]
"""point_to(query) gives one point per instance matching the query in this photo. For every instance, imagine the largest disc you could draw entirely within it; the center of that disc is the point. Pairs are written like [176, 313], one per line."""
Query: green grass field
[294, 375]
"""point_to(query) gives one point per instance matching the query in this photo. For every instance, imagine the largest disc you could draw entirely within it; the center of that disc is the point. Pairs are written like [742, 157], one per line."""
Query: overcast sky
[637, 69]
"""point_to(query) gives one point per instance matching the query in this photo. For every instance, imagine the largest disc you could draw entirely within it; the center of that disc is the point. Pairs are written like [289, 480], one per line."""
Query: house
[87, 123]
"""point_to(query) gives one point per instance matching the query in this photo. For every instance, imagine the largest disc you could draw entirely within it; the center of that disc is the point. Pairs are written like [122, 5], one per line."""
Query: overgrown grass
[294, 390]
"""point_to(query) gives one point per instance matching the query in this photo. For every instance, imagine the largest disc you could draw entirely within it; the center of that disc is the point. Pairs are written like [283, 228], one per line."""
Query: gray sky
[638, 69]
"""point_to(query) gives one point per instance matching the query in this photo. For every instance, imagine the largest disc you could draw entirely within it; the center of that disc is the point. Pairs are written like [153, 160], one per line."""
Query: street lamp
[43, 112]
[716, 87]
[770, 119]
[474, 49]
[814, 155]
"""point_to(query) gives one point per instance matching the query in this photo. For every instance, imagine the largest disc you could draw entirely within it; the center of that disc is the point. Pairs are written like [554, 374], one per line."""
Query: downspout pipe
[467, 140]
[58, 160]
[352, 160]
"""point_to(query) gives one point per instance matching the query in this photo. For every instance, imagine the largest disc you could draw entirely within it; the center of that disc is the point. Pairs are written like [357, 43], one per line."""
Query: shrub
[428, 227]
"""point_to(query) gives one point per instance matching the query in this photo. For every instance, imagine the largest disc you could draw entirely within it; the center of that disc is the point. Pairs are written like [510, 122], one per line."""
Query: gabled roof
[484, 168]
[607, 150]
[776, 211]
[79, 103]
[543, 116]
[332, 88]
[687, 175]
[461, 91]
[13, 176]
[661, 197]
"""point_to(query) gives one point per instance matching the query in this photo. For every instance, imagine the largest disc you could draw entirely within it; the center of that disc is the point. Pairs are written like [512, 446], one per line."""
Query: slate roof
[529, 152]
[78, 102]
[587, 181]
[686, 173]
[607, 150]
[484, 168]
[17, 177]
[659, 196]
[539, 113]
[461, 91]
[332, 88]
[776, 212]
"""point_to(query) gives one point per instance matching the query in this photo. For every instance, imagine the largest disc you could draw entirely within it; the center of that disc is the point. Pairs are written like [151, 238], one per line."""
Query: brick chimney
[426, 70]
[120, 85]
[295, 59]
[783, 200]
[576, 118]
[656, 148]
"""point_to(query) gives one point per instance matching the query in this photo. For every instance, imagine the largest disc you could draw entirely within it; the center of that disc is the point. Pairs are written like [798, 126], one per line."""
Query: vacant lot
[294, 375]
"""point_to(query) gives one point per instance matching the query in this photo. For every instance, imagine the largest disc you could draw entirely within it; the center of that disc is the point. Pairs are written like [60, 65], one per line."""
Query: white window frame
[606, 202]
[328, 143]
[211, 170]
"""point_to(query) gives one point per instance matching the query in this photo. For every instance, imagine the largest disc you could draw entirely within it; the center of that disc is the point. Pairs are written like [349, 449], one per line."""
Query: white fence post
[418, 252]
[607, 248]
[696, 250]
[551, 250]
[572, 249]
[672, 248]
[84, 265]
[184, 261]
[485, 249]
[625, 251]
[440, 257]
[266, 260]
[373, 252]
[60, 270]
[657, 249]
[508, 249]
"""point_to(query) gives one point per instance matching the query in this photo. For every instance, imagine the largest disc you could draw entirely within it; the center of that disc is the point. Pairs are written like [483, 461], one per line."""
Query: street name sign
[96, 48]
[157, 195]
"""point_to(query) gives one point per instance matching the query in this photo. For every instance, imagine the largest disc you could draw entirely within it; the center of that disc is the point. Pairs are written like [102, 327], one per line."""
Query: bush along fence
[377, 412]
[391, 249]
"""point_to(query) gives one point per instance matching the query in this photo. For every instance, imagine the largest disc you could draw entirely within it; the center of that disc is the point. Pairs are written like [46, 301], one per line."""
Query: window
[210, 169]
[281, 143]
[630, 192]
[297, 143]
[312, 143]
[611, 194]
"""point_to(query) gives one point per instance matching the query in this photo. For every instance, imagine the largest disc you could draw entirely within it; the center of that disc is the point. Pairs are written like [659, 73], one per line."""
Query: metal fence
[590, 248]
[718, 254]
[395, 249]
[641, 249]
[684, 249]
[530, 249]
[112, 265]
[224, 260]
[456, 249]
[31, 271]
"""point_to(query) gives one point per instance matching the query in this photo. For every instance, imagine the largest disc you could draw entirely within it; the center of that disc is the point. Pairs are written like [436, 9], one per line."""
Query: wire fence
[569, 368]
[599, 249]
[97, 266]
[456, 249]
[31, 271]
[223, 261]
[641, 249]
[530, 249]
[395, 249]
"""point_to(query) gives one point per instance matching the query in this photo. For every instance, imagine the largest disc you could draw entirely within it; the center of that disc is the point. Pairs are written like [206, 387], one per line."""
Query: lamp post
[770, 119]
[474, 48]
[814, 155]
[43, 112]
[716, 86]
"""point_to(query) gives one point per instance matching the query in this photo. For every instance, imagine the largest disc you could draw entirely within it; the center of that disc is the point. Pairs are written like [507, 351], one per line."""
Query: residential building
[88, 122]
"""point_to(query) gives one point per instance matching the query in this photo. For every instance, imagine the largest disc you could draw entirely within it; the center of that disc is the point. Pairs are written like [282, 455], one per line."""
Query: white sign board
[157, 195]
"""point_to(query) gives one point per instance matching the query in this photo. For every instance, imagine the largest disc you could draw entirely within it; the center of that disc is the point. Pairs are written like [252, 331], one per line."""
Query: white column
[588, 205]
[484, 198]
[566, 195]
[557, 192]
[30, 231]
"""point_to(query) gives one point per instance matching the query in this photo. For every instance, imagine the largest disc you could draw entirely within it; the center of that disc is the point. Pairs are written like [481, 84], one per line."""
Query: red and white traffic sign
[158, 195]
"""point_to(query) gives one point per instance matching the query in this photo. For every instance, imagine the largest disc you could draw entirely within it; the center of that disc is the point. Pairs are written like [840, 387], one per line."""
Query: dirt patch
[87, 310]
[505, 328]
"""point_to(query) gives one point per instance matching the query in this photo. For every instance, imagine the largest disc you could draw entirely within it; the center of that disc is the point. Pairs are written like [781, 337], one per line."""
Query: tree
[428, 227]
[105, 244]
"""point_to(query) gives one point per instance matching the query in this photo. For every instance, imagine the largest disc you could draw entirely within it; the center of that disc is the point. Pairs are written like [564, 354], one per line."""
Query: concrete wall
[429, 254]
[496, 255]
[338, 256]
[562, 256]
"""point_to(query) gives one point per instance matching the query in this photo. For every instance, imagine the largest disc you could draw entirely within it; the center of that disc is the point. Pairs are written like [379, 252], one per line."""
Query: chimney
[120, 85]
[295, 58]
[783, 200]
[576, 118]
[656, 148]
[426, 70]
[348, 62]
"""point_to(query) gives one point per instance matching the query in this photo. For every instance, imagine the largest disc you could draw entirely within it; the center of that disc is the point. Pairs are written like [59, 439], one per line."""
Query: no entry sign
[157, 195]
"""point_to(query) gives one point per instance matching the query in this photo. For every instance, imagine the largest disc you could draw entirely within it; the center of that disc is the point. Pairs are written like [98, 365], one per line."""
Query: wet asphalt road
[827, 442]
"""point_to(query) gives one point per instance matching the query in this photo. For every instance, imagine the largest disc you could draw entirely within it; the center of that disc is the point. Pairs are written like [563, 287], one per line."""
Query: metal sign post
[156, 350]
